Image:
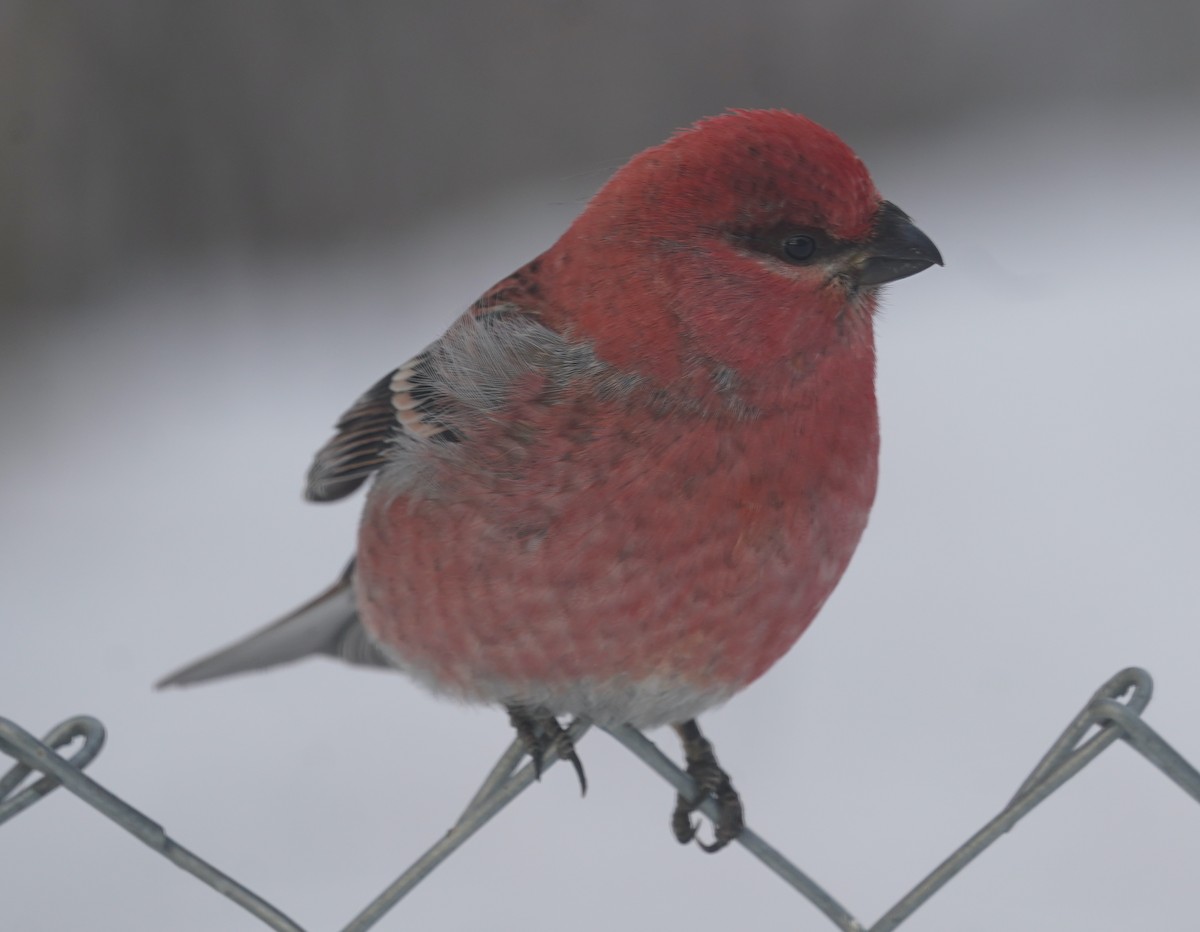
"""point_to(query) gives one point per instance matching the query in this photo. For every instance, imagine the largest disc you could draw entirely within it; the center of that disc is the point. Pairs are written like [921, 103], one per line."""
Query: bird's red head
[748, 236]
[747, 169]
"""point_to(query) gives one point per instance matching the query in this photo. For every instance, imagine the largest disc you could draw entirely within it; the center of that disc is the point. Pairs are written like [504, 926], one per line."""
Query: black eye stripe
[790, 244]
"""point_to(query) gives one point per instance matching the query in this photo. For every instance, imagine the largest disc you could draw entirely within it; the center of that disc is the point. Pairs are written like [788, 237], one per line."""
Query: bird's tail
[327, 624]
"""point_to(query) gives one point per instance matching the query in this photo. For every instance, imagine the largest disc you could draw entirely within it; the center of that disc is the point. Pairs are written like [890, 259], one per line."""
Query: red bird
[622, 483]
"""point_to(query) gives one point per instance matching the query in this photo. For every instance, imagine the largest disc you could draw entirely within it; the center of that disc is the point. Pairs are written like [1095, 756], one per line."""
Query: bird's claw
[540, 732]
[711, 782]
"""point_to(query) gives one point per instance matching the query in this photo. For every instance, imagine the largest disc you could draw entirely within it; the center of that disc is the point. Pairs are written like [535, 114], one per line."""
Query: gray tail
[327, 624]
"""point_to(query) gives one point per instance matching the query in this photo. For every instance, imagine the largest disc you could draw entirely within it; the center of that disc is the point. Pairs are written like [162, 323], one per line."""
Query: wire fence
[1113, 713]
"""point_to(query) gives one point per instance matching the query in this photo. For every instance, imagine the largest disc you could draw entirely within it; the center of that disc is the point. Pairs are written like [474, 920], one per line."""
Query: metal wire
[500, 788]
[36, 755]
[1113, 713]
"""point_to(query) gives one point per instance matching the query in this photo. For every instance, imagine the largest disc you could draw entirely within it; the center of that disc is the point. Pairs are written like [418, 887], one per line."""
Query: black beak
[897, 249]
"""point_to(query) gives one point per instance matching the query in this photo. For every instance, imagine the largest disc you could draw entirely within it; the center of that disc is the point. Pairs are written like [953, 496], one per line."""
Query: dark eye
[799, 247]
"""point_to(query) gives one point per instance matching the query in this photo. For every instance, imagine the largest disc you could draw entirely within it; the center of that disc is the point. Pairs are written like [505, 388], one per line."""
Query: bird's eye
[799, 247]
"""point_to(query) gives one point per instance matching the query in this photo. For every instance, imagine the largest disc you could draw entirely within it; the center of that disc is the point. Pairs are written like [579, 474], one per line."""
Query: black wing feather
[404, 404]
[358, 448]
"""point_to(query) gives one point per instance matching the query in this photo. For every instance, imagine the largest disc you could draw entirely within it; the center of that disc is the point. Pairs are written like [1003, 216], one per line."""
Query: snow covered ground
[1035, 532]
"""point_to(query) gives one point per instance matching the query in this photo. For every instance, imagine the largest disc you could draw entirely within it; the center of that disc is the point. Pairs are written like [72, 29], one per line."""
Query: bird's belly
[657, 588]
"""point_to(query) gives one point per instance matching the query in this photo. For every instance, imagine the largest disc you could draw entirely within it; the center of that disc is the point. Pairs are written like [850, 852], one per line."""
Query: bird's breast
[623, 540]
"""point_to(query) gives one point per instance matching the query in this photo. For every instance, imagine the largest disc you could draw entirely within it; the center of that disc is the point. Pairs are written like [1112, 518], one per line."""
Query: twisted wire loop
[13, 741]
[32, 754]
[1113, 713]
[1073, 751]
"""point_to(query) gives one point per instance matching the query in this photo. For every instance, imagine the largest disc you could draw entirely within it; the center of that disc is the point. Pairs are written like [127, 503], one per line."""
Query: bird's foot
[540, 732]
[711, 781]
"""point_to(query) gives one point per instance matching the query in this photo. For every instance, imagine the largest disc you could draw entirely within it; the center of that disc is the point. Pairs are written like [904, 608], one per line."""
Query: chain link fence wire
[1113, 713]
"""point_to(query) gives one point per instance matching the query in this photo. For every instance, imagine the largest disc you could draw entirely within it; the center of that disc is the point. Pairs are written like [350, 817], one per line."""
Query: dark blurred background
[136, 132]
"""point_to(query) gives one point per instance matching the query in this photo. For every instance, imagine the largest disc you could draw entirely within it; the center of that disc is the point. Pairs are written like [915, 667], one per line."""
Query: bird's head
[753, 232]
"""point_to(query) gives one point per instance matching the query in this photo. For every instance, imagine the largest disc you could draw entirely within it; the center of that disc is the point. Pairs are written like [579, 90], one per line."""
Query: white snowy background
[1035, 532]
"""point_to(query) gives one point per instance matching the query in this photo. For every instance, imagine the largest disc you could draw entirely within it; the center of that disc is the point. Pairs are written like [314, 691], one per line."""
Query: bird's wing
[327, 624]
[403, 405]
[431, 399]
[435, 396]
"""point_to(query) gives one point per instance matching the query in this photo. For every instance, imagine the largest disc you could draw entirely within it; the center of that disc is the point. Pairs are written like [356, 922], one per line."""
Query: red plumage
[624, 482]
[639, 557]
